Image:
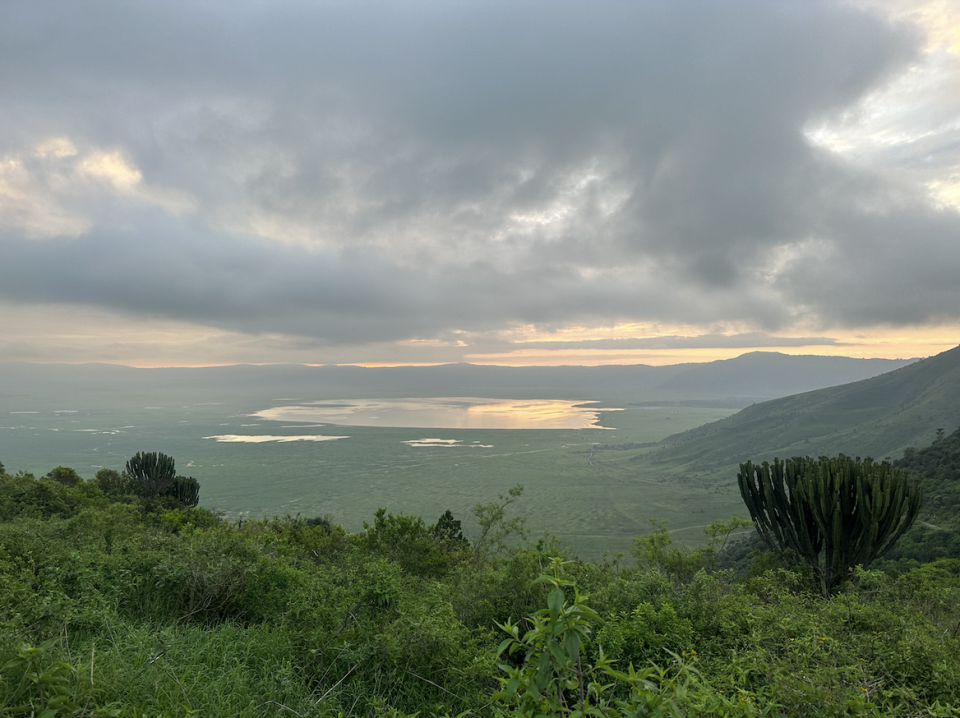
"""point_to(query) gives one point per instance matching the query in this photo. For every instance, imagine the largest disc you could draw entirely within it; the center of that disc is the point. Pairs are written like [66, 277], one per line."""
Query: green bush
[64, 475]
[407, 541]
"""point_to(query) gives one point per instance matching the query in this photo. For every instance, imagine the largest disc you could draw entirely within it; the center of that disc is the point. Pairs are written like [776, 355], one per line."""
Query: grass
[220, 670]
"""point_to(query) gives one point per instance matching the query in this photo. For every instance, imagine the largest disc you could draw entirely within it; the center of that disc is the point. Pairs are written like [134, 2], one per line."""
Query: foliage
[64, 475]
[936, 532]
[939, 461]
[655, 549]
[184, 489]
[449, 532]
[835, 514]
[407, 541]
[495, 527]
[150, 472]
[555, 676]
[40, 683]
[113, 483]
[107, 608]
[23, 496]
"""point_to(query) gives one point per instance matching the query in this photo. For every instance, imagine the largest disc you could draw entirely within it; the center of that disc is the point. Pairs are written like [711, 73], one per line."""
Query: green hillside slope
[877, 417]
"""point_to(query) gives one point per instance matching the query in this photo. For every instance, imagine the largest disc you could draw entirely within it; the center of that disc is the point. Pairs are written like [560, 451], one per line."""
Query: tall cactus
[184, 489]
[834, 513]
[152, 472]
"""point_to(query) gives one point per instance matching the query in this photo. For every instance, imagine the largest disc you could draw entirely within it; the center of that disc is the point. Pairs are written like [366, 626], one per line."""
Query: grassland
[586, 495]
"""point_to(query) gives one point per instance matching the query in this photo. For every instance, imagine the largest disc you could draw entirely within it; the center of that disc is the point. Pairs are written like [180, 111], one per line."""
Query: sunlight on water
[444, 413]
[447, 443]
[242, 439]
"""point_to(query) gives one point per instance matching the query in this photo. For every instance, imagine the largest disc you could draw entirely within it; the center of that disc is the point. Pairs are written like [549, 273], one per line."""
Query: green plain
[595, 499]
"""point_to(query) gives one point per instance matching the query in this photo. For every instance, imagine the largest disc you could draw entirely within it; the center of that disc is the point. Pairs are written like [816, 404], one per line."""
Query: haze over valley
[591, 445]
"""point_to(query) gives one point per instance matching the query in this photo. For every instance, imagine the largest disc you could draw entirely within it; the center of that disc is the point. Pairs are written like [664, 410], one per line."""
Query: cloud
[54, 190]
[751, 340]
[357, 174]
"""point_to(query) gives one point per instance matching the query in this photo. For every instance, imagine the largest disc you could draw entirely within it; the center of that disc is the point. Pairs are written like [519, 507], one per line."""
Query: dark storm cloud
[173, 270]
[422, 168]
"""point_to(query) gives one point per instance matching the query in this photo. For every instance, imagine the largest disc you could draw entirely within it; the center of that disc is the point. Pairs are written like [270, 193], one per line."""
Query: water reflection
[261, 438]
[445, 413]
[447, 443]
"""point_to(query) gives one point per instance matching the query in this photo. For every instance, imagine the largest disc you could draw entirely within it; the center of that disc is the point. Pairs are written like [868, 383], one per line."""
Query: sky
[537, 182]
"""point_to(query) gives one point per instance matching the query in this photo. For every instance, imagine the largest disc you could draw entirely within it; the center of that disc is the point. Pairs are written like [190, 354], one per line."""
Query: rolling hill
[878, 417]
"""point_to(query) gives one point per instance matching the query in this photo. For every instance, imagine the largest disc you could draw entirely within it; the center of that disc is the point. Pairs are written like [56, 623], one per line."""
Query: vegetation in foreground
[117, 600]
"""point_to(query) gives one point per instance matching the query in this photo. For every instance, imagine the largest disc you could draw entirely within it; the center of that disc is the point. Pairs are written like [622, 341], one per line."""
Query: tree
[112, 482]
[494, 525]
[64, 475]
[834, 513]
[2, 470]
[449, 532]
[151, 472]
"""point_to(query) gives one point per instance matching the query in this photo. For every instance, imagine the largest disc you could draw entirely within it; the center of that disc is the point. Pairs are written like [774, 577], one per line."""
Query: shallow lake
[443, 413]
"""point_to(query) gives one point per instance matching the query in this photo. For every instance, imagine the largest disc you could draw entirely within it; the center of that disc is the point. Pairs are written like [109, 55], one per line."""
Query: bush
[64, 475]
[113, 483]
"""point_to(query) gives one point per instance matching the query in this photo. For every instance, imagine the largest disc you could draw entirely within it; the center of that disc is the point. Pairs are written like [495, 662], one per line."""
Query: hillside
[767, 375]
[879, 417]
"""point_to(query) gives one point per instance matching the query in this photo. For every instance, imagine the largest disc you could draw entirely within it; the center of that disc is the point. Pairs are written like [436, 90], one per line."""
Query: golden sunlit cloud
[113, 167]
[56, 190]
[57, 147]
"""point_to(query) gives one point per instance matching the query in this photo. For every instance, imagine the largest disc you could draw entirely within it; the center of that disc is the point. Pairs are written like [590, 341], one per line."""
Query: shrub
[64, 475]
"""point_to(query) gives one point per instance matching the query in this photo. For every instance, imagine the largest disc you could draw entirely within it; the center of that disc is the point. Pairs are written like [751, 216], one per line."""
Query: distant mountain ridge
[772, 374]
[879, 417]
[755, 376]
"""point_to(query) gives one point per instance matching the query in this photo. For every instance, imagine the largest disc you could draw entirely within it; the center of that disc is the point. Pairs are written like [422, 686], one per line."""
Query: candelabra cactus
[152, 472]
[834, 513]
[184, 489]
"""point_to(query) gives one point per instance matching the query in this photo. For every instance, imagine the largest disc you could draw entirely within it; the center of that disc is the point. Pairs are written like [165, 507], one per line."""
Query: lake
[443, 413]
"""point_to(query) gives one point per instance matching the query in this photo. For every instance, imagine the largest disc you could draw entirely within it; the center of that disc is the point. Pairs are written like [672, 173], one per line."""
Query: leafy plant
[554, 677]
[41, 684]
[655, 550]
[407, 541]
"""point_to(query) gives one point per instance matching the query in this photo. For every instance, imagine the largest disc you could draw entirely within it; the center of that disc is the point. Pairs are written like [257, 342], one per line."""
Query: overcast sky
[501, 182]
